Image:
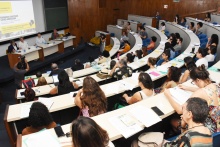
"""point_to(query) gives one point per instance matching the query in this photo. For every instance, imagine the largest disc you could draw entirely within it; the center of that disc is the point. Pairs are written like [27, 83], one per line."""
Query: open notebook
[41, 139]
[179, 95]
[25, 108]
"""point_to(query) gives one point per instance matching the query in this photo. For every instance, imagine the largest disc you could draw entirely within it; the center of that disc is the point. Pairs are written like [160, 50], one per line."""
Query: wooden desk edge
[8, 128]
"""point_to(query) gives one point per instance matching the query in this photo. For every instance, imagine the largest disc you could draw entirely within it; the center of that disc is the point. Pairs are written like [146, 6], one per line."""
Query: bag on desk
[103, 74]
[151, 139]
[29, 83]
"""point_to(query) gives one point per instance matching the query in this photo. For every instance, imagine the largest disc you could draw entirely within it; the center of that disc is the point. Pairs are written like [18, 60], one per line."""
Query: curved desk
[209, 30]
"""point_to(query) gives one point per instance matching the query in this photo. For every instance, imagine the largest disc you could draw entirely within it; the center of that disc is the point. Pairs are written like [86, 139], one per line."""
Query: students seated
[64, 85]
[123, 71]
[39, 118]
[137, 55]
[172, 39]
[190, 64]
[91, 99]
[129, 58]
[208, 17]
[125, 48]
[77, 65]
[201, 53]
[178, 47]
[183, 22]
[41, 81]
[143, 33]
[199, 28]
[195, 112]
[206, 90]
[163, 27]
[211, 53]
[54, 35]
[192, 27]
[105, 57]
[55, 69]
[147, 89]
[12, 47]
[213, 40]
[128, 26]
[177, 19]
[173, 77]
[29, 95]
[91, 63]
[38, 74]
[151, 62]
[165, 56]
[139, 30]
[87, 133]
[150, 47]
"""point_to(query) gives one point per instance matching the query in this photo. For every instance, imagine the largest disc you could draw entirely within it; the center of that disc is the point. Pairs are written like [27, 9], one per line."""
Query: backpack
[28, 83]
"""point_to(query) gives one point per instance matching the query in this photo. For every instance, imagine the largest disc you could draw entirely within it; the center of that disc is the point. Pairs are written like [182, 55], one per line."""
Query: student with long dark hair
[190, 64]
[146, 84]
[201, 53]
[64, 86]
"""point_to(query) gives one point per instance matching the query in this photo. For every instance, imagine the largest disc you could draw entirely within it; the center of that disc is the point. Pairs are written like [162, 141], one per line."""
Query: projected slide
[16, 19]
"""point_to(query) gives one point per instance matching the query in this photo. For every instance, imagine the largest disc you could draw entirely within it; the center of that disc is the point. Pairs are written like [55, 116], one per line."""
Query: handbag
[29, 83]
[103, 74]
[151, 139]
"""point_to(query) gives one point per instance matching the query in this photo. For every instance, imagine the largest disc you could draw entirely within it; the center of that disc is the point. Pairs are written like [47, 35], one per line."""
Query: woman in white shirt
[147, 89]
[40, 39]
[22, 44]
[201, 53]
[211, 53]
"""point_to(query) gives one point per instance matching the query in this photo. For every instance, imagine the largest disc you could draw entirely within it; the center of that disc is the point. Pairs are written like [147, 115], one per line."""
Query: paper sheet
[127, 85]
[125, 124]
[162, 68]
[41, 139]
[25, 109]
[111, 89]
[46, 101]
[145, 115]
[179, 95]
[154, 73]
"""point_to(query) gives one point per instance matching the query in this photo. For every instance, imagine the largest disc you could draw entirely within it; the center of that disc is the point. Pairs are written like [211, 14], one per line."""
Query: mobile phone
[157, 111]
[22, 93]
[59, 131]
[74, 95]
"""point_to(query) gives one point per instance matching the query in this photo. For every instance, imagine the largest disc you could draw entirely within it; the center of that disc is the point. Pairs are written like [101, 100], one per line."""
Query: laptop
[55, 80]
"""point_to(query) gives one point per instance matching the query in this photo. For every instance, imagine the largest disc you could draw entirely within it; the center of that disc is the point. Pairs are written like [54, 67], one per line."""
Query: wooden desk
[30, 54]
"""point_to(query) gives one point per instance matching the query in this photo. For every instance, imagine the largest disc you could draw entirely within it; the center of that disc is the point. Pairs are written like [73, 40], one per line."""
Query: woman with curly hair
[91, 99]
[39, 118]
[87, 133]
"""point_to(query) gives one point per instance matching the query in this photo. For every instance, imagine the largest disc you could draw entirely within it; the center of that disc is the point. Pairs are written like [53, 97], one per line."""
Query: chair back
[216, 139]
